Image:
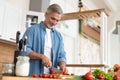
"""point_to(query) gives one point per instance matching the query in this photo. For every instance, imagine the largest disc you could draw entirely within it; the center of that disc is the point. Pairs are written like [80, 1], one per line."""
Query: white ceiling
[111, 5]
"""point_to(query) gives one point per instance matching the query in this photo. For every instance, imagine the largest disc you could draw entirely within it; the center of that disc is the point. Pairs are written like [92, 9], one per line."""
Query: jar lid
[23, 58]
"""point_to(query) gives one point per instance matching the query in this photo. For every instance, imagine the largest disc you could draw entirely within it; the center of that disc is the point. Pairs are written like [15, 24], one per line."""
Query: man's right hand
[46, 61]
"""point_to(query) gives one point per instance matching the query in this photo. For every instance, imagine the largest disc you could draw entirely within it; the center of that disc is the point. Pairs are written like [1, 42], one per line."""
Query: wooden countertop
[25, 78]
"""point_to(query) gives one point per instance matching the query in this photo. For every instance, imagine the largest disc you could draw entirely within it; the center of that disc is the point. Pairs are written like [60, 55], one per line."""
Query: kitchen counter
[8, 42]
[26, 78]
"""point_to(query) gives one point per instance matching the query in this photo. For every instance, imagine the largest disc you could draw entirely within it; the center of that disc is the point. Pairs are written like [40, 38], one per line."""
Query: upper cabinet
[38, 5]
[13, 19]
[2, 12]
[33, 17]
[10, 22]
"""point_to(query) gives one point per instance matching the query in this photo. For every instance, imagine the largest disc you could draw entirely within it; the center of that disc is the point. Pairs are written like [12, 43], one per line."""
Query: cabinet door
[2, 11]
[12, 22]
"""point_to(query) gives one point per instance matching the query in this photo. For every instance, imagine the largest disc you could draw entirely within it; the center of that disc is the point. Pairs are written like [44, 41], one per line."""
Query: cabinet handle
[12, 39]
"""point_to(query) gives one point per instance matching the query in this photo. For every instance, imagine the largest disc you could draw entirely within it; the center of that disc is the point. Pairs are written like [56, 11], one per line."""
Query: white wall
[114, 49]
[67, 5]
[111, 20]
[114, 40]
[90, 5]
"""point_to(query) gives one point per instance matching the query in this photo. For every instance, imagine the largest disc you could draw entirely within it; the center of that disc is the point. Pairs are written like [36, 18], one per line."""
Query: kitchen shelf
[90, 31]
[87, 65]
[84, 14]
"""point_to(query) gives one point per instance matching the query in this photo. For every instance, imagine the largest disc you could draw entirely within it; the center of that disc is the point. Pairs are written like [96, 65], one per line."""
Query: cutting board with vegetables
[90, 75]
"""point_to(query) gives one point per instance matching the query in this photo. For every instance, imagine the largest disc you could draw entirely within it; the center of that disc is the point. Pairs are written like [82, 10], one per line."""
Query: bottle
[22, 66]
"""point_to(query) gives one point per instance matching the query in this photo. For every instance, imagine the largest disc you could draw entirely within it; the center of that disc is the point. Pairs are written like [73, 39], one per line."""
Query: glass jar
[22, 66]
[8, 69]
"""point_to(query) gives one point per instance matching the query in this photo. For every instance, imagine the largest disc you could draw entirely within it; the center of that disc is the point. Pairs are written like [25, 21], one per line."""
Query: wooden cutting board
[25, 78]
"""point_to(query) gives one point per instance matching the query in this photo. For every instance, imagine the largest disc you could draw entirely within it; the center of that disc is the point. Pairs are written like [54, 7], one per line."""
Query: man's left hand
[62, 66]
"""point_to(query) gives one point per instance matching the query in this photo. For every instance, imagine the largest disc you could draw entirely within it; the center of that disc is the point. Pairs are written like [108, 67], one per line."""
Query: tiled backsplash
[90, 52]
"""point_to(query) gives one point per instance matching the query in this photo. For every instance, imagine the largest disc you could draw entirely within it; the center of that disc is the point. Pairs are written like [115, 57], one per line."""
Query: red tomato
[41, 75]
[56, 72]
[101, 76]
[52, 72]
[54, 76]
[116, 77]
[89, 76]
[50, 76]
[64, 73]
[34, 75]
[45, 75]
[61, 72]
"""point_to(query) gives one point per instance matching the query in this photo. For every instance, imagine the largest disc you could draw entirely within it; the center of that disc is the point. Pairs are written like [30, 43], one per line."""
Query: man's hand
[46, 61]
[62, 66]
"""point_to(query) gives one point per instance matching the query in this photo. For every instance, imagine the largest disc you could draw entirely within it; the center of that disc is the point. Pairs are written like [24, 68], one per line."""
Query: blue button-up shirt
[35, 42]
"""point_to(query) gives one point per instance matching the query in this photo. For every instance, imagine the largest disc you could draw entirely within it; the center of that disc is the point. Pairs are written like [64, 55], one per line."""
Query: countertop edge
[7, 42]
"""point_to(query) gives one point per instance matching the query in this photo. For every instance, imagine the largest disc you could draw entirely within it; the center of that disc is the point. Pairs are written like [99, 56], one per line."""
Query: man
[45, 44]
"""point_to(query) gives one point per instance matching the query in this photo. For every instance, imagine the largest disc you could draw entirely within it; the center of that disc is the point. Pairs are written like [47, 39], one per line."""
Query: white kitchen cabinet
[33, 17]
[30, 18]
[2, 11]
[10, 22]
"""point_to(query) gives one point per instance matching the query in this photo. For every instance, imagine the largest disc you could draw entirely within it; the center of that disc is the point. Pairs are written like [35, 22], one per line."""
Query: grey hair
[54, 8]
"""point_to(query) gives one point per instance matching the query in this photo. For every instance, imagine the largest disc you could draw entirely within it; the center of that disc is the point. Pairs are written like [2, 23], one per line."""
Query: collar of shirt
[44, 27]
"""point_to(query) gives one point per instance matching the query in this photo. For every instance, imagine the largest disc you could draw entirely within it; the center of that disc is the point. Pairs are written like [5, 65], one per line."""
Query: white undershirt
[47, 47]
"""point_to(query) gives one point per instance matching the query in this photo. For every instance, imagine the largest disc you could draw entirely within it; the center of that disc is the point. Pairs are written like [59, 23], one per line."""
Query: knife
[20, 45]
[55, 69]
[17, 38]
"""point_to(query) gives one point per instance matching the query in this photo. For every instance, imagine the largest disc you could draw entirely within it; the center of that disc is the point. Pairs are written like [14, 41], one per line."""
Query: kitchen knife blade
[55, 69]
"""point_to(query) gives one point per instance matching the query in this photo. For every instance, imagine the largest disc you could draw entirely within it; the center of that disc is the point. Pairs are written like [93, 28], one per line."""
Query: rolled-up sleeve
[29, 34]
[62, 53]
